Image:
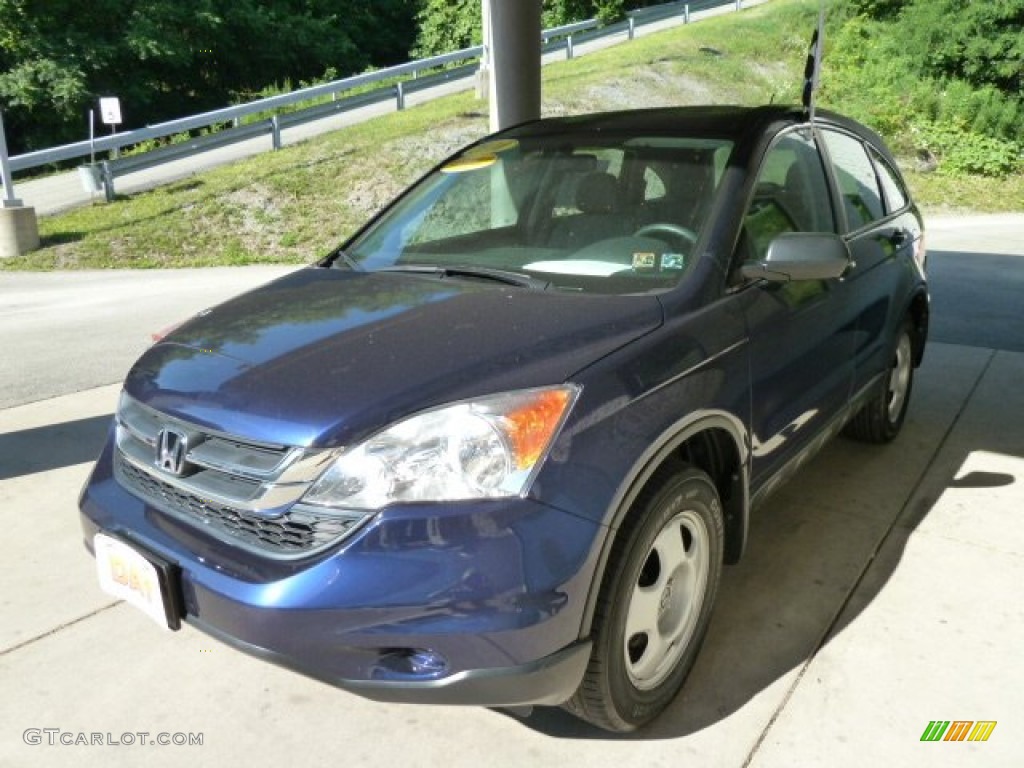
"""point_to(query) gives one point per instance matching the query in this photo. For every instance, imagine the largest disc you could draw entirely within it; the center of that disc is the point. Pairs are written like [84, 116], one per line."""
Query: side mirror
[801, 256]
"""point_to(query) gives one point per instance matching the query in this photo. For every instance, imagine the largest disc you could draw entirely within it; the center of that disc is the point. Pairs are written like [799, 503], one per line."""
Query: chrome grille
[240, 491]
[298, 531]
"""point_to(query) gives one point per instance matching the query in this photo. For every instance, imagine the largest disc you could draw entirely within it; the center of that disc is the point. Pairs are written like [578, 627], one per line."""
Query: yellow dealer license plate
[127, 574]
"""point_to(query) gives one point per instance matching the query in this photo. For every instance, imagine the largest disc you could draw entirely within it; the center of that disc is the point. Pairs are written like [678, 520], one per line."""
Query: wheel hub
[899, 378]
[666, 600]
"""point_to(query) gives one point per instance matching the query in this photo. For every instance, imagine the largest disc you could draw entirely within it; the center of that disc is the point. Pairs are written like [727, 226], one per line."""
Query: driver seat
[600, 214]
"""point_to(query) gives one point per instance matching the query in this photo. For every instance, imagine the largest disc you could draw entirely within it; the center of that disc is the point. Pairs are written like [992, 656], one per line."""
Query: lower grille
[296, 532]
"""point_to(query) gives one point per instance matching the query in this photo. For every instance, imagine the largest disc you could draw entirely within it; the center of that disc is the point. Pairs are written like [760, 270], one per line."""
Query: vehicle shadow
[820, 551]
[54, 446]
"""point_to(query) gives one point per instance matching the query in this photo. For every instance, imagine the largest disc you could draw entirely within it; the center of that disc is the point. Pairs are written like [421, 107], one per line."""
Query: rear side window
[858, 184]
[895, 193]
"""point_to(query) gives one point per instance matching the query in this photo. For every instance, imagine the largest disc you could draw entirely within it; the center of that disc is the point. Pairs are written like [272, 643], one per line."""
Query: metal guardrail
[102, 175]
[229, 114]
[558, 38]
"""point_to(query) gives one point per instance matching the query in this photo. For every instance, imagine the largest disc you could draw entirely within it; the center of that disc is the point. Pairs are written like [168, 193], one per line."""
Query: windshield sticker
[671, 261]
[644, 260]
[467, 163]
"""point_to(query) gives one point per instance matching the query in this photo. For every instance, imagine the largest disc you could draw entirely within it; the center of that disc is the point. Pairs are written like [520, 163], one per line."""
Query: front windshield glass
[609, 215]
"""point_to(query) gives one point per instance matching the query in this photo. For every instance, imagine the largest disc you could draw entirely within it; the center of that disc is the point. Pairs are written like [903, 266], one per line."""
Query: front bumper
[476, 604]
[547, 681]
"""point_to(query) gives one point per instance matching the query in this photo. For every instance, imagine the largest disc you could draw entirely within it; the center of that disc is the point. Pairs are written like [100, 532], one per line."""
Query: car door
[800, 332]
[872, 196]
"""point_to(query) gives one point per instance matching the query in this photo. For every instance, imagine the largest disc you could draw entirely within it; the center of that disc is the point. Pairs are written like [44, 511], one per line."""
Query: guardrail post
[399, 97]
[108, 181]
[739, 5]
[632, 27]
[10, 201]
[686, 13]
[568, 47]
[275, 132]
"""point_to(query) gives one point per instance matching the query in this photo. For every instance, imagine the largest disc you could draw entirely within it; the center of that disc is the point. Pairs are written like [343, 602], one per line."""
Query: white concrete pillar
[515, 61]
[19, 230]
[483, 75]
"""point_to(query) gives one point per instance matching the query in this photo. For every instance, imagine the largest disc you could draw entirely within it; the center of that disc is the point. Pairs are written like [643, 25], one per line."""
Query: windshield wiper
[462, 270]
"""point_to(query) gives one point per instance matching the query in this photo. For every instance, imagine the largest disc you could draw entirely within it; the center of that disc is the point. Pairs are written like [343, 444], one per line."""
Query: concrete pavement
[879, 593]
[977, 285]
[933, 630]
[68, 332]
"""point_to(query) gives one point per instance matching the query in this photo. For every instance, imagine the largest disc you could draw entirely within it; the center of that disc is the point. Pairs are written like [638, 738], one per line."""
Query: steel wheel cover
[666, 600]
[899, 378]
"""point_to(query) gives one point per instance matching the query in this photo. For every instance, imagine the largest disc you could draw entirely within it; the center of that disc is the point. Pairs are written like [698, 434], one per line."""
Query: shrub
[961, 150]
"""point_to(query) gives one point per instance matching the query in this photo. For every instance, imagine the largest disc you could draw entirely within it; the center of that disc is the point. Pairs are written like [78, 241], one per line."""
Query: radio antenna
[812, 70]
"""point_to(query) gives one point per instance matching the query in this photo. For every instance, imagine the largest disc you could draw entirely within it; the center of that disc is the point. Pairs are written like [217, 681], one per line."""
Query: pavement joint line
[830, 627]
[58, 628]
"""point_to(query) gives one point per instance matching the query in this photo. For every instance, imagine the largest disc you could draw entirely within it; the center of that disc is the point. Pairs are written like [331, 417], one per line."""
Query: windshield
[611, 215]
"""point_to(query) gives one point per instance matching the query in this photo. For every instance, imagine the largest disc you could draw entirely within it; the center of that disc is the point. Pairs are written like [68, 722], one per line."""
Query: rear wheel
[655, 604]
[881, 418]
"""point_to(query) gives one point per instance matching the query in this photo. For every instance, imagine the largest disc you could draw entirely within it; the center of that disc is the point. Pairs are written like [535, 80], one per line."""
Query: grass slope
[290, 206]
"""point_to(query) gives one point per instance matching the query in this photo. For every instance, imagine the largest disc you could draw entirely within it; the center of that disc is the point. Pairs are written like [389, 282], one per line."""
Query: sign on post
[110, 110]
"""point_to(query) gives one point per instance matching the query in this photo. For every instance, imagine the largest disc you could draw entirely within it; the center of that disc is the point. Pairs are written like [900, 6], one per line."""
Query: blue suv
[496, 448]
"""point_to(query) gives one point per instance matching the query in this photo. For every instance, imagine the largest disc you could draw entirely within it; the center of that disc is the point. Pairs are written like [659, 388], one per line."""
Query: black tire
[631, 679]
[881, 418]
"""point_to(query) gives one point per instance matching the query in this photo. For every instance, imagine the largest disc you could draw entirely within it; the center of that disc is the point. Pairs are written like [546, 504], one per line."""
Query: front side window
[790, 195]
[858, 184]
[619, 214]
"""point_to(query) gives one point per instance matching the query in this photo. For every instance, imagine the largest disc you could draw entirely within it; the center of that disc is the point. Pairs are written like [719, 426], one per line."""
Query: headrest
[597, 193]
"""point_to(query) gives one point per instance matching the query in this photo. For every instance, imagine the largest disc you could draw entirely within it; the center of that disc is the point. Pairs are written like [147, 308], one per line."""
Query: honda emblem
[171, 447]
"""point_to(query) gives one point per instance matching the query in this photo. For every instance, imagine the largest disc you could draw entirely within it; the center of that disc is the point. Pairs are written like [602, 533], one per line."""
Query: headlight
[484, 448]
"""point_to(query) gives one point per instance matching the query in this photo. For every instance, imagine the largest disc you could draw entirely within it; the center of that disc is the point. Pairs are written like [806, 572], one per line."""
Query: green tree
[877, 9]
[45, 65]
[448, 25]
[558, 12]
[941, 78]
[169, 59]
[981, 42]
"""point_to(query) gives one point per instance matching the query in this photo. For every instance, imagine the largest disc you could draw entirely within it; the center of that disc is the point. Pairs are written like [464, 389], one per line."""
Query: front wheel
[881, 418]
[655, 604]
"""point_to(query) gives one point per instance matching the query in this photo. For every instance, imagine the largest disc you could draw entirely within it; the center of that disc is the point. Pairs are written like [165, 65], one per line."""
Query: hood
[324, 357]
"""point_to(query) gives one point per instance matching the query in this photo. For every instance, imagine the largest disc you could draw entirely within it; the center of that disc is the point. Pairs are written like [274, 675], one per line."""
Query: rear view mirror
[801, 256]
[577, 163]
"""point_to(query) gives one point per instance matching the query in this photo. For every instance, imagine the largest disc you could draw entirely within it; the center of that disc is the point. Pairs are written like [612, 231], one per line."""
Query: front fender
[736, 505]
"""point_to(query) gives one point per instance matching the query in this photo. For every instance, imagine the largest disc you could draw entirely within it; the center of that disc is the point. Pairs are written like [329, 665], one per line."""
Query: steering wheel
[668, 228]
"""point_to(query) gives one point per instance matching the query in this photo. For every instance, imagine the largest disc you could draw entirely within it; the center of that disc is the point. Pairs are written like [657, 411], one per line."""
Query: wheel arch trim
[645, 467]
